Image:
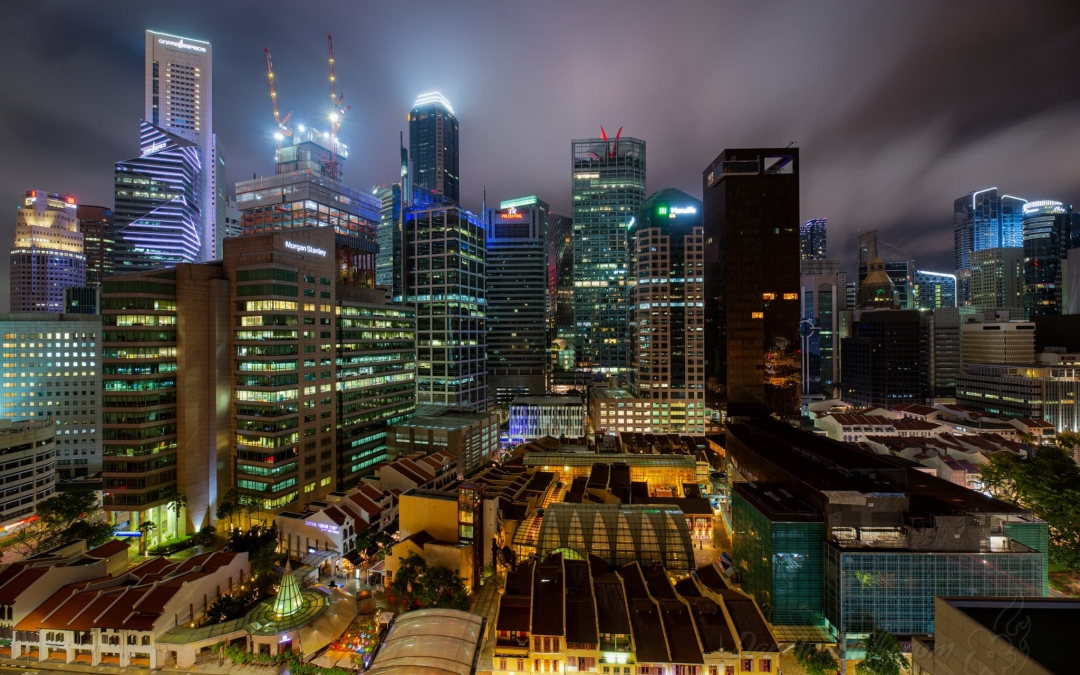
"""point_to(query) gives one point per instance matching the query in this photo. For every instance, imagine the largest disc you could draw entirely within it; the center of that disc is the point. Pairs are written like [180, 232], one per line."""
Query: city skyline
[938, 145]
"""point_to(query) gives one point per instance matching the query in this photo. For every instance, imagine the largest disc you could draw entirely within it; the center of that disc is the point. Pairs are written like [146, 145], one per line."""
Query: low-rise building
[533, 417]
[1050, 393]
[472, 437]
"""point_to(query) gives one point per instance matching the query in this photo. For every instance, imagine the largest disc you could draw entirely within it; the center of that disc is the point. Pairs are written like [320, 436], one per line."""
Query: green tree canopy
[61, 519]
[883, 656]
[1048, 484]
[816, 661]
[430, 587]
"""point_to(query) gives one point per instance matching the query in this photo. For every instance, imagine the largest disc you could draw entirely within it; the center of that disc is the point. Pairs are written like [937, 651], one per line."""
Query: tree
[60, 519]
[178, 503]
[260, 543]
[1048, 484]
[442, 587]
[372, 544]
[145, 527]
[229, 506]
[815, 661]
[206, 536]
[409, 577]
[1068, 440]
[883, 656]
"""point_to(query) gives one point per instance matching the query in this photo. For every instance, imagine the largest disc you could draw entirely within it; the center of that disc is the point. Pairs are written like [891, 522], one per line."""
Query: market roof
[430, 642]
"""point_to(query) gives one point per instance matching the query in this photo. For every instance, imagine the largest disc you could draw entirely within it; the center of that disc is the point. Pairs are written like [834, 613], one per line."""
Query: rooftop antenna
[791, 143]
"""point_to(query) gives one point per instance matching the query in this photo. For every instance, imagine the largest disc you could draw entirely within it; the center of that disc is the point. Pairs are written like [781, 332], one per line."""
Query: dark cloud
[899, 107]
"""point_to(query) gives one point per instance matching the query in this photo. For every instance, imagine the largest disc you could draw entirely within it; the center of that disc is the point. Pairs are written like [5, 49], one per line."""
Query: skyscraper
[517, 303]
[390, 197]
[880, 365]
[997, 280]
[433, 147]
[96, 224]
[824, 297]
[179, 100]
[898, 264]
[444, 257]
[306, 191]
[157, 214]
[934, 289]
[561, 289]
[667, 324]
[812, 239]
[1048, 228]
[981, 221]
[608, 188]
[752, 279]
[48, 254]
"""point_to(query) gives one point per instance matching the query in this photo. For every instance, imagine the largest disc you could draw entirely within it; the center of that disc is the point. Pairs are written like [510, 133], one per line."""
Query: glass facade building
[784, 538]
[389, 216]
[158, 210]
[608, 179]
[934, 289]
[982, 220]
[812, 240]
[751, 258]
[376, 378]
[445, 261]
[433, 148]
[1049, 231]
[824, 297]
[96, 224]
[517, 301]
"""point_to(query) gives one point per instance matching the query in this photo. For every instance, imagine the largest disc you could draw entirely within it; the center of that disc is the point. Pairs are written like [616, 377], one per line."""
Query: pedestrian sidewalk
[29, 665]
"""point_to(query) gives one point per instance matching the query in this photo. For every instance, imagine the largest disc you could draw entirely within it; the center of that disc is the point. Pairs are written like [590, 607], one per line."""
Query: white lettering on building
[305, 248]
[181, 45]
[160, 145]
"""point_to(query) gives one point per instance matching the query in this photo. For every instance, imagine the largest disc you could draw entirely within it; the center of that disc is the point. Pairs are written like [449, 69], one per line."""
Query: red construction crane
[283, 128]
[337, 113]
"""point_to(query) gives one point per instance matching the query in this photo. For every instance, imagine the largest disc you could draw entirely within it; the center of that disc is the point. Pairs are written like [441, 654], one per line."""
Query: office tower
[1048, 233]
[667, 323]
[997, 340]
[876, 290]
[433, 147]
[939, 356]
[824, 296]
[390, 213]
[608, 188]
[47, 256]
[981, 221]
[96, 224]
[812, 239]
[997, 279]
[157, 212]
[898, 264]
[852, 294]
[444, 258]
[751, 218]
[517, 302]
[934, 289]
[561, 292]
[1033, 391]
[81, 299]
[232, 219]
[288, 380]
[303, 193]
[28, 449]
[880, 366]
[179, 101]
[52, 370]
[376, 377]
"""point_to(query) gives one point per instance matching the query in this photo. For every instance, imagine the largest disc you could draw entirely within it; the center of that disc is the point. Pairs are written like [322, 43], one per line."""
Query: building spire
[288, 600]
[483, 203]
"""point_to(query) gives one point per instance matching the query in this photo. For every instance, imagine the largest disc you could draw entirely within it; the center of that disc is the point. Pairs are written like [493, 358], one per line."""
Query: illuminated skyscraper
[179, 100]
[48, 254]
[390, 197]
[158, 217]
[812, 239]
[517, 303]
[608, 189]
[981, 221]
[934, 289]
[433, 147]
[997, 280]
[1048, 231]
[752, 279]
[667, 324]
[96, 224]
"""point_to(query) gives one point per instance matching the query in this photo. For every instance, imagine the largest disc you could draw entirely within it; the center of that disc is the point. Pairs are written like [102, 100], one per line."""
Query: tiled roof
[107, 550]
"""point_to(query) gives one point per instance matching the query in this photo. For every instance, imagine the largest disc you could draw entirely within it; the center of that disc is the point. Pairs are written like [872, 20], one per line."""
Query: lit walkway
[487, 606]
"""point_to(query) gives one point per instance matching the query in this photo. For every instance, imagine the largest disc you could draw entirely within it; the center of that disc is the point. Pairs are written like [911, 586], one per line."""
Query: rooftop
[1040, 628]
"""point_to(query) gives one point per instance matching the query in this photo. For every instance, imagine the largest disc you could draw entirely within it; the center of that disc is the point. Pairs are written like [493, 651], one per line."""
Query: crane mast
[282, 125]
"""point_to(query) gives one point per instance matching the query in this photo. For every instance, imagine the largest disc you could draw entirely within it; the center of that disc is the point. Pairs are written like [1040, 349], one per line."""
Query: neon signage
[512, 214]
[683, 210]
[329, 529]
[181, 45]
[156, 147]
[306, 248]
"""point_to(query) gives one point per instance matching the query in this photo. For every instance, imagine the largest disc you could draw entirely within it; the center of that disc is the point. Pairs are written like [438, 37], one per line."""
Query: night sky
[898, 107]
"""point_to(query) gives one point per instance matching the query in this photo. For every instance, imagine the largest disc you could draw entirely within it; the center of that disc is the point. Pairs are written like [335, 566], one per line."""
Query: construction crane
[282, 125]
[337, 114]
